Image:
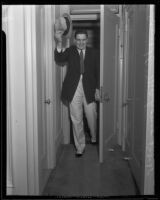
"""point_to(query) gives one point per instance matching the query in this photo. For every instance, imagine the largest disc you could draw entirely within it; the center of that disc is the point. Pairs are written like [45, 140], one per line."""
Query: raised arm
[60, 54]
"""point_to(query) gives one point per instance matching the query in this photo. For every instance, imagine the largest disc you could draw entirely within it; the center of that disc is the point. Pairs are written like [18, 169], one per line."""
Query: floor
[85, 176]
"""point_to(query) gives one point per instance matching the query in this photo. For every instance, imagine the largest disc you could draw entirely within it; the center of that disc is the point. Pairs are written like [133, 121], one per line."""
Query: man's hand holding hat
[63, 27]
[58, 35]
[59, 28]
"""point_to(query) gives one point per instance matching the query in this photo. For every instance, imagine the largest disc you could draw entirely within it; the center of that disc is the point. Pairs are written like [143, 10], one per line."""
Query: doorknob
[127, 102]
[48, 101]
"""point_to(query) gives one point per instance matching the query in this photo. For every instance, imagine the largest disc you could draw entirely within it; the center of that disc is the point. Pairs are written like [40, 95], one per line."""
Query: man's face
[81, 41]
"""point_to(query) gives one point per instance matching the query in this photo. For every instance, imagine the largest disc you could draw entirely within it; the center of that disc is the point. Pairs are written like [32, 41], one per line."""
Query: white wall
[16, 102]
[27, 140]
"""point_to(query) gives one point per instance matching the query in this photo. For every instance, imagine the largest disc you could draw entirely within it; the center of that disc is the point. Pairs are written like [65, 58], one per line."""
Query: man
[81, 85]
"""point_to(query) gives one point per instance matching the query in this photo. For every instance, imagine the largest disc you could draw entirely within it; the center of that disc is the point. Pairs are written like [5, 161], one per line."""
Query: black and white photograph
[79, 100]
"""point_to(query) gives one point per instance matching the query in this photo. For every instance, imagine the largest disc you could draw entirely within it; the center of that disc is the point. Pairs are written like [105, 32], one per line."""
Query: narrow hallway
[85, 176]
[37, 120]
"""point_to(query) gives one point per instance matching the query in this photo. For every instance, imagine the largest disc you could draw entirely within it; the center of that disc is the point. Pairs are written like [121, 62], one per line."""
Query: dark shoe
[79, 154]
[93, 142]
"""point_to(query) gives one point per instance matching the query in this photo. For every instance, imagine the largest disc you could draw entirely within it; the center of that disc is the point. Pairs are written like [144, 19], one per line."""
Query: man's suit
[79, 90]
[90, 77]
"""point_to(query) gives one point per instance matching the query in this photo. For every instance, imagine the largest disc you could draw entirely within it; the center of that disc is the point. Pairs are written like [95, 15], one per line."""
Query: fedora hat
[64, 24]
[68, 31]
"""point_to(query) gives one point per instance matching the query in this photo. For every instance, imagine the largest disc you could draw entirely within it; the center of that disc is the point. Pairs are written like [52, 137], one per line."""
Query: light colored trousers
[76, 113]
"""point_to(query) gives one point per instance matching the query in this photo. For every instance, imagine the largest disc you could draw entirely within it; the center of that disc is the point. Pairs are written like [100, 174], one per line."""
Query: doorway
[93, 30]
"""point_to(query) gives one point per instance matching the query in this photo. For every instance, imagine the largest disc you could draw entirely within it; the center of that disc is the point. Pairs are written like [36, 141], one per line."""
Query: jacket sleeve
[61, 57]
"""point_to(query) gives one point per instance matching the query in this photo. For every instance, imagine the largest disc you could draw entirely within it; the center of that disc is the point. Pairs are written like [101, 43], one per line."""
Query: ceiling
[90, 9]
[89, 12]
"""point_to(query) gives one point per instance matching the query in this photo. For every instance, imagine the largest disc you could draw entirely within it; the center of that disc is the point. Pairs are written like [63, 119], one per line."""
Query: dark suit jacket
[90, 77]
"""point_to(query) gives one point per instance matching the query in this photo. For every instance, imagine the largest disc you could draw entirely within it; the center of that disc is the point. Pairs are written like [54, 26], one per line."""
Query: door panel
[140, 92]
[42, 106]
[108, 68]
[43, 78]
[130, 100]
[136, 83]
[131, 96]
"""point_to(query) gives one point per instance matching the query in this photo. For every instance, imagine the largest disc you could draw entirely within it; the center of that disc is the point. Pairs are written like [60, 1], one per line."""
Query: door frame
[117, 100]
[64, 109]
[31, 94]
[50, 93]
[101, 82]
[118, 89]
[125, 79]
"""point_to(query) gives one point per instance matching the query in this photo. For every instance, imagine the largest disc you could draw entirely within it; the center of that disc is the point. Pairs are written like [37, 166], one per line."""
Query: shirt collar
[79, 50]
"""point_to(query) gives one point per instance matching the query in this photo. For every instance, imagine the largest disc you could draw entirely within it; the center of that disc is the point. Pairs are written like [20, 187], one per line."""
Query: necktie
[81, 63]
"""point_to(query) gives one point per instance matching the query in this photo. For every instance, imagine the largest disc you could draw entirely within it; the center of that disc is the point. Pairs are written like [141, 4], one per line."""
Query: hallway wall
[25, 137]
[31, 151]
[16, 101]
[138, 97]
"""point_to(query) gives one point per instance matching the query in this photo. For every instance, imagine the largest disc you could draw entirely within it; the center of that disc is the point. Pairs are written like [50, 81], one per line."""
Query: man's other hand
[97, 95]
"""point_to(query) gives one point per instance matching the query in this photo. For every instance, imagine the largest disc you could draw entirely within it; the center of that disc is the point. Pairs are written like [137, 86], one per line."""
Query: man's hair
[80, 31]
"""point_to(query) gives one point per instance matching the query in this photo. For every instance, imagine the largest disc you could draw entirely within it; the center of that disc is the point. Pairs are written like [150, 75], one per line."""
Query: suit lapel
[76, 58]
[76, 54]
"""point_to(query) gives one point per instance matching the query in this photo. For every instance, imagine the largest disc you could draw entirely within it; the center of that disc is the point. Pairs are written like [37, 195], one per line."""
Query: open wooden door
[108, 68]
[45, 103]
